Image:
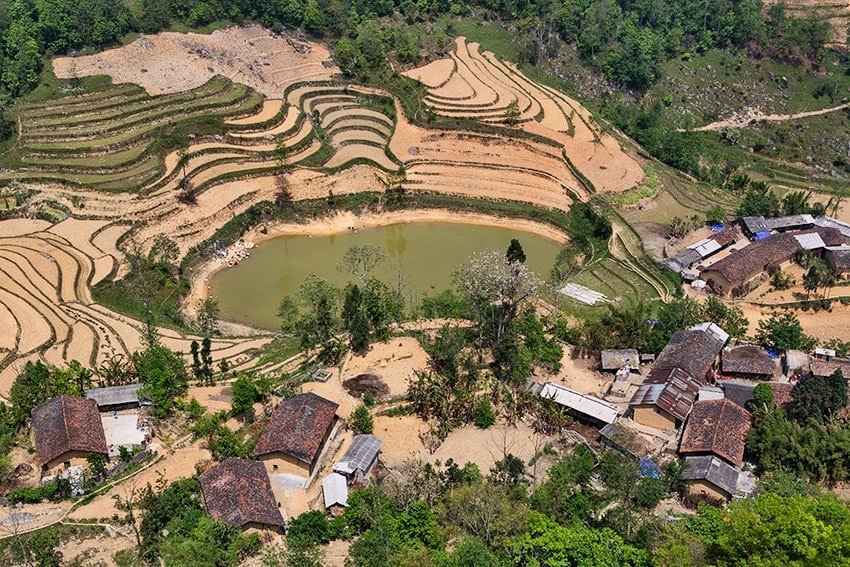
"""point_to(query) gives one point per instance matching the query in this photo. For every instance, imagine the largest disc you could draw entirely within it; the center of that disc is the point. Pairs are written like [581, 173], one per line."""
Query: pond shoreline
[342, 222]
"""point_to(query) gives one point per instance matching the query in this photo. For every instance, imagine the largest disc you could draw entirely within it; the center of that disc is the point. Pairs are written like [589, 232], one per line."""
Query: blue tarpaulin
[649, 468]
[762, 234]
[772, 352]
[716, 227]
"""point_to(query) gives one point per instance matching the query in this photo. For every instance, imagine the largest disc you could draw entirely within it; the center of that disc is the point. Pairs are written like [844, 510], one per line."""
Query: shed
[335, 491]
[624, 440]
[360, 456]
[796, 360]
[586, 406]
[116, 397]
[615, 359]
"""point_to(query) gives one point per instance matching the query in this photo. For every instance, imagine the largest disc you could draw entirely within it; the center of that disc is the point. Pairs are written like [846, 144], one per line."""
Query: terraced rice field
[478, 86]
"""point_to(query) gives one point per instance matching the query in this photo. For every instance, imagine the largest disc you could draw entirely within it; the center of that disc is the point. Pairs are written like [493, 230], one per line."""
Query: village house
[705, 248]
[748, 362]
[838, 259]
[67, 429]
[296, 434]
[717, 427]
[238, 492]
[828, 367]
[754, 226]
[711, 477]
[665, 398]
[744, 269]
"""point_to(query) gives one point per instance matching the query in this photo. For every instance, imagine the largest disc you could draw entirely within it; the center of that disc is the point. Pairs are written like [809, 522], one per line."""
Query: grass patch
[647, 189]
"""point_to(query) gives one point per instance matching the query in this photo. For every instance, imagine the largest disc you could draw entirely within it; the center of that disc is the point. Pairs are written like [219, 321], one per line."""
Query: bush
[483, 415]
[361, 420]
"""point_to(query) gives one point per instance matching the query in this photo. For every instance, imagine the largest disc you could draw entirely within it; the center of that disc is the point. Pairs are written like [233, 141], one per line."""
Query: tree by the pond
[515, 253]
[360, 259]
[495, 288]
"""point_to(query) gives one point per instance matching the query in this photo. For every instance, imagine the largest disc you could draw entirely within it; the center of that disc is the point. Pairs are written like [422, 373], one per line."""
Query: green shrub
[361, 420]
[483, 416]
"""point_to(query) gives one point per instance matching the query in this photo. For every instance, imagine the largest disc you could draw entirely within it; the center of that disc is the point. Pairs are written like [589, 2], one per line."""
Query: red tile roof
[67, 423]
[238, 492]
[719, 427]
[298, 427]
[693, 351]
[747, 360]
[828, 367]
[782, 394]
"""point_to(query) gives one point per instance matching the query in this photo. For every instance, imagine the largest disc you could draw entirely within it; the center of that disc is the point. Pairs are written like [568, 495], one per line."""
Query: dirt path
[743, 120]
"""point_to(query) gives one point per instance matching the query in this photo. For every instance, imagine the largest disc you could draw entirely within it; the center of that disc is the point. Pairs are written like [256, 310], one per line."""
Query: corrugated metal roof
[833, 223]
[710, 393]
[335, 490]
[581, 403]
[706, 248]
[115, 395]
[360, 455]
[671, 389]
[811, 241]
[714, 470]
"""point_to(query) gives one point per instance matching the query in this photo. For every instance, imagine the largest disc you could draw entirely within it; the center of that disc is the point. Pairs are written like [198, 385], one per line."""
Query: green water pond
[250, 292]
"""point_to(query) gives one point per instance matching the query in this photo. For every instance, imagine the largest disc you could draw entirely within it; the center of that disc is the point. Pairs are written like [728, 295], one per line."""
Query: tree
[361, 419]
[819, 275]
[164, 376]
[715, 215]
[39, 382]
[245, 393]
[515, 253]
[208, 313]
[759, 200]
[763, 396]
[359, 260]
[784, 332]
[495, 288]
[818, 397]
[359, 332]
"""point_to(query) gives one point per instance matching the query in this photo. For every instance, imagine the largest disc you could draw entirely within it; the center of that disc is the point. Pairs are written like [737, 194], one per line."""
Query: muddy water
[250, 292]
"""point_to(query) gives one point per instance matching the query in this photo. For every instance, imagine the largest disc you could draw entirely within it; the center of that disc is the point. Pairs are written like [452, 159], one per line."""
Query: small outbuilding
[616, 359]
[238, 492]
[360, 456]
[67, 429]
[114, 398]
[335, 493]
[582, 406]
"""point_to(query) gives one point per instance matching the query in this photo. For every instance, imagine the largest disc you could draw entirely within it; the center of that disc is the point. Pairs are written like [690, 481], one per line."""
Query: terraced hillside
[46, 308]
[477, 86]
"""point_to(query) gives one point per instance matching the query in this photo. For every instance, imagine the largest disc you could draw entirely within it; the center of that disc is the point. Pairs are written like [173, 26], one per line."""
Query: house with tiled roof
[296, 434]
[820, 367]
[744, 269]
[688, 361]
[717, 427]
[238, 492]
[67, 429]
[749, 362]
